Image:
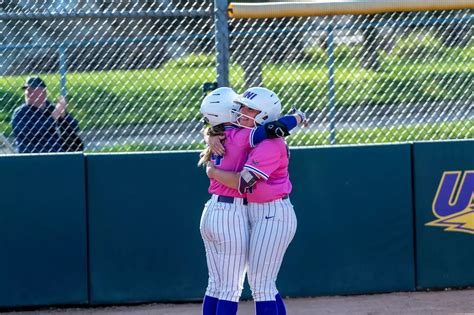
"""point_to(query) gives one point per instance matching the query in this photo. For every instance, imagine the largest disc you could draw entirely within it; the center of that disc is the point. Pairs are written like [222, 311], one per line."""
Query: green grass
[404, 133]
[144, 148]
[121, 97]
[174, 91]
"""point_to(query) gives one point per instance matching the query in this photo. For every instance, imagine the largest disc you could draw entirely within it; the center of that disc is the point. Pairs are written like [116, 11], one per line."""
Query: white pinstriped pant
[272, 228]
[225, 232]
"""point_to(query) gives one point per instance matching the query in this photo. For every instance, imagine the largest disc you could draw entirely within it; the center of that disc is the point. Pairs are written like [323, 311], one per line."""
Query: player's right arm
[227, 178]
[241, 181]
[277, 129]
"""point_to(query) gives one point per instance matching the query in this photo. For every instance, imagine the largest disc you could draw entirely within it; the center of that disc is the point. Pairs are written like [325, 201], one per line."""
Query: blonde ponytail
[205, 155]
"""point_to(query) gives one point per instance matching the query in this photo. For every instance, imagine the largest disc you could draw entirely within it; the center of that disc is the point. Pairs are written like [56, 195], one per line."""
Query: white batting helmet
[264, 100]
[218, 107]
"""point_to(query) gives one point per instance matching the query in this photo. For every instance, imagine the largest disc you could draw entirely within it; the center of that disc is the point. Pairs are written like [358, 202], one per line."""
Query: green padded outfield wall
[355, 221]
[355, 230]
[144, 212]
[43, 230]
[444, 194]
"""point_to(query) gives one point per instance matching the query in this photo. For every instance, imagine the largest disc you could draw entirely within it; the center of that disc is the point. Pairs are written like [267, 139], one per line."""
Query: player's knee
[263, 295]
[213, 288]
[230, 295]
[263, 291]
[212, 293]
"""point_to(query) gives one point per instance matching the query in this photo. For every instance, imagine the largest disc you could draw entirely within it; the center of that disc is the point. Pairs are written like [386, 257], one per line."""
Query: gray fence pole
[332, 89]
[62, 69]
[222, 42]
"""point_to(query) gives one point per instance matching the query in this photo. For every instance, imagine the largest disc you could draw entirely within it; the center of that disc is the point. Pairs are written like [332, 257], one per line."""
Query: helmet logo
[249, 95]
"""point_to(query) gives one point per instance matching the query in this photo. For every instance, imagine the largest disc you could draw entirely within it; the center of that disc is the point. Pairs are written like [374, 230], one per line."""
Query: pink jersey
[269, 160]
[237, 147]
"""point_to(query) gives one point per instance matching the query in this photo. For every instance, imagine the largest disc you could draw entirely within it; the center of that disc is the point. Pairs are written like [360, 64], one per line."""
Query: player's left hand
[210, 169]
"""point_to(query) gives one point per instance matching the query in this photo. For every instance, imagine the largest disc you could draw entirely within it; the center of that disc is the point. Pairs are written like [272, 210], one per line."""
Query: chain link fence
[365, 79]
[133, 71]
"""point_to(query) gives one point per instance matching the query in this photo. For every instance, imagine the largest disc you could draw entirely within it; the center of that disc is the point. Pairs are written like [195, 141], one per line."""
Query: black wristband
[276, 129]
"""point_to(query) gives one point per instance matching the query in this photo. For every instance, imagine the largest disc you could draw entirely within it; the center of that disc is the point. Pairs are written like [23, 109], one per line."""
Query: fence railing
[133, 77]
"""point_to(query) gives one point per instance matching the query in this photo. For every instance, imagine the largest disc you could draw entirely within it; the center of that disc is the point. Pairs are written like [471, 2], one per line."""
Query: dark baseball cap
[34, 82]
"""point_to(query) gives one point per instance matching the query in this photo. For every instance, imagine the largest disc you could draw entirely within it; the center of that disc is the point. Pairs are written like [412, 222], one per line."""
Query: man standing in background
[40, 127]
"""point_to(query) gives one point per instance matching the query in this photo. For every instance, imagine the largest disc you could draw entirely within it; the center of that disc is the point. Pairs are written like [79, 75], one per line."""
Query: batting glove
[299, 113]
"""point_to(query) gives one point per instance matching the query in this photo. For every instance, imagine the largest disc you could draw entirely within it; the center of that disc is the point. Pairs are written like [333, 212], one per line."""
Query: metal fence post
[331, 87]
[62, 69]
[222, 42]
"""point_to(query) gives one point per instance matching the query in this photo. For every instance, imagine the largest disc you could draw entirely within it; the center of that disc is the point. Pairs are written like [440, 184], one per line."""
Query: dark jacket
[36, 131]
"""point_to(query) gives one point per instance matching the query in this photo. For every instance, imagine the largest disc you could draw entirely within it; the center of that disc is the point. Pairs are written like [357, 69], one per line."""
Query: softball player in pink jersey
[265, 181]
[224, 223]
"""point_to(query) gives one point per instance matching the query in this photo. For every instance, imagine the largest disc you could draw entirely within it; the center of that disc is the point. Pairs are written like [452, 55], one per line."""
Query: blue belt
[227, 199]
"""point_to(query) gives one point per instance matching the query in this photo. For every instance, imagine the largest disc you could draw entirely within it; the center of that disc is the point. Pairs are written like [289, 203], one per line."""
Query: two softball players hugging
[249, 221]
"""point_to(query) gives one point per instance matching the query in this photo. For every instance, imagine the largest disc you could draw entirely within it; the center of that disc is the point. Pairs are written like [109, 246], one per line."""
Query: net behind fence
[133, 72]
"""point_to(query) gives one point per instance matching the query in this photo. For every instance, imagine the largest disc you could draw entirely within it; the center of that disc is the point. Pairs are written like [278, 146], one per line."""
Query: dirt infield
[442, 302]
